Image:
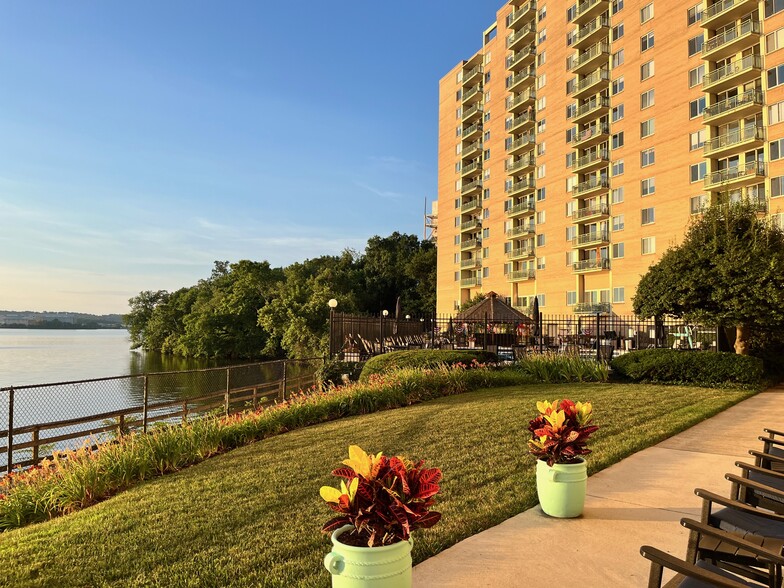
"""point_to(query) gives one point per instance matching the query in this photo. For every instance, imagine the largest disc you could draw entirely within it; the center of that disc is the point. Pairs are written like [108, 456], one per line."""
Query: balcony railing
[467, 76]
[590, 28]
[513, 209]
[592, 131]
[470, 282]
[747, 98]
[470, 263]
[519, 120]
[520, 55]
[591, 79]
[587, 265]
[752, 170]
[520, 230]
[470, 244]
[526, 274]
[600, 155]
[471, 92]
[472, 110]
[593, 104]
[584, 7]
[520, 253]
[515, 37]
[592, 308]
[589, 211]
[470, 186]
[591, 238]
[514, 17]
[521, 142]
[725, 11]
[736, 137]
[472, 148]
[522, 163]
[592, 184]
[471, 129]
[526, 74]
[470, 205]
[522, 185]
[472, 167]
[594, 51]
[732, 69]
[513, 101]
[474, 223]
[728, 36]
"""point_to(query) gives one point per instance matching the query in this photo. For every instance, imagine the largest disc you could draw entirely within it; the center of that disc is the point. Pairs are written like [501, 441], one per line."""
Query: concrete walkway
[637, 501]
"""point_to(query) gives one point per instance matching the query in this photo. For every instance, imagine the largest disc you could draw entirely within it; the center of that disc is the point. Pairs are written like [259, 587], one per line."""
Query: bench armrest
[709, 498]
[747, 467]
[732, 539]
[660, 559]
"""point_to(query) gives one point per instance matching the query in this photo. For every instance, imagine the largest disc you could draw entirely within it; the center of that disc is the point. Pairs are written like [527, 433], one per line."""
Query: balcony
[521, 275]
[471, 74]
[522, 143]
[470, 244]
[751, 196]
[471, 149]
[520, 253]
[521, 58]
[519, 38]
[593, 108]
[472, 187]
[591, 213]
[471, 225]
[472, 95]
[591, 161]
[472, 168]
[473, 112]
[592, 186]
[592, 308]
[470, 282]
[522, 122]
[471, 205]
[526, 207]
[521, 187]
[739, 106]
[725, 12]
[591, 32]
[591, 136]
[520, 230]
[736, 141]
[525, 164]
[591, 265]
[591, 84]
[471, 130]
[516, 18]
[588, 9]
[519, 304]
[732, 41]
[589, 59]
[733, 74]
[591, 239]
[521, 101]
[749, 173]
[472, 263]
[516, 82]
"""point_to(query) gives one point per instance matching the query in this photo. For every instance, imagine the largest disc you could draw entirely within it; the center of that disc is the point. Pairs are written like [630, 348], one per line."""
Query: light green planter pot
[369, 567]
[561, 488]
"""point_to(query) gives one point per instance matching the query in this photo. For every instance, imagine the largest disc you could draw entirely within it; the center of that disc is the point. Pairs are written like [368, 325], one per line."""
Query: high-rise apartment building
[576, 145]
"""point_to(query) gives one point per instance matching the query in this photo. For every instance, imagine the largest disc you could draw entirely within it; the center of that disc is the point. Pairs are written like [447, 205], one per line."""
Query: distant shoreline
[62, 327]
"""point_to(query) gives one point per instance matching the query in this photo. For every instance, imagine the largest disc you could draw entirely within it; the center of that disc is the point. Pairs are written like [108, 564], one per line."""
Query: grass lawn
[252, 516]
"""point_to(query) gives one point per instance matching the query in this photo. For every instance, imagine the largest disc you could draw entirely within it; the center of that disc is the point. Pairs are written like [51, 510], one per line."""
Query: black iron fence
[36, 420]
[355, 338]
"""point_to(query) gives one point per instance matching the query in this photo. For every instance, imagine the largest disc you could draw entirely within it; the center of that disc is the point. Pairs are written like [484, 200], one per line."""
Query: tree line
[251, 310]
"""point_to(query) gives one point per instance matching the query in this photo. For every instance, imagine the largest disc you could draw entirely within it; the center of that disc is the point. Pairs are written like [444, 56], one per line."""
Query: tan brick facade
[575, 146]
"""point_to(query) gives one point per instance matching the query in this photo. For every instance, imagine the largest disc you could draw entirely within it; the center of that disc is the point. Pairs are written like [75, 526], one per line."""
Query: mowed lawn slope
[252, 516]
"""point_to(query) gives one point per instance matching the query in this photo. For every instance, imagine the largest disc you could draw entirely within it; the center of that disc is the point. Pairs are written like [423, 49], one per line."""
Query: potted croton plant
[559, 437]
[381, 500]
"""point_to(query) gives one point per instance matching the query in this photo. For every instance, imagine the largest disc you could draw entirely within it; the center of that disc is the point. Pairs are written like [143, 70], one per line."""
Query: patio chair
[761, 490]
[699, 572]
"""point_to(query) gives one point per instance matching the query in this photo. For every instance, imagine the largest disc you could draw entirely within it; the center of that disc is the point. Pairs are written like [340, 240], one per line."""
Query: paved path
[634, 502]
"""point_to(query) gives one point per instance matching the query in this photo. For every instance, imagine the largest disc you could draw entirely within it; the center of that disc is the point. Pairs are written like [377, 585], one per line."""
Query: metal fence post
[10, 459]
[598, 346]
[283, 391]
[226, 396]
[145, 401]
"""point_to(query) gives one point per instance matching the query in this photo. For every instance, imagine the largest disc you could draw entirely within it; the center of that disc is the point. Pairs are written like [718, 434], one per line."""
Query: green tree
[137, 320]
[728, 270]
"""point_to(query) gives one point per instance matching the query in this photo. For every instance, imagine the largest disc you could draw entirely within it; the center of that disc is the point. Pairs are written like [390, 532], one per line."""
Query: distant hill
[13, 319]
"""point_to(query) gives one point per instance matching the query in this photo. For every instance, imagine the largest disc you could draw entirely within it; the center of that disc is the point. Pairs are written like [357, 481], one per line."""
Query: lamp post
[332, 306]
[384, 314]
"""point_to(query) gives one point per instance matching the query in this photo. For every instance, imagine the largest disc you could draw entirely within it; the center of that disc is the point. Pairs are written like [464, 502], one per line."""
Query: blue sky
[140, 141]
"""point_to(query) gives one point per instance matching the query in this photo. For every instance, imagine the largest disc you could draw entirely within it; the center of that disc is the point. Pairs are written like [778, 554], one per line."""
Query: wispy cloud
[380, 193]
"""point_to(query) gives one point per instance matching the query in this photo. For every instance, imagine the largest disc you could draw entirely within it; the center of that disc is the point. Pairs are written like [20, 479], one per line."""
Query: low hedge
[702, 368]
[422, 358]
[331, 372]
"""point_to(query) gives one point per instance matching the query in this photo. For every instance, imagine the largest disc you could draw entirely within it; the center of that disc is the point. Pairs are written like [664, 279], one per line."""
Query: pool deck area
[638, 501]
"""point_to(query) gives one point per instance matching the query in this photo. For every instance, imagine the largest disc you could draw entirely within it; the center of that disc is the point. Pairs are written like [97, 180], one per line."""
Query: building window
[617, 113]
[773, 6]
[487, 154]
[540, 297]
[646, 70]
[617, 58]
[542, 37]
[648, 187]
[540, 148]
[486, 193]
[571, 233]
[457, 276]
[457, 202]
[618, 295]
[540, 263]
[570, 158]
[457, 239]
[647, 157]
[485, 213]
[646, 41]
[648, 245]
[485, 252]
[542, 13]
[696, 107]
[776, 186]
[647, 128]
[776, 149]
[617, 167]
[647, 99]
[487, 135]
[697, 171]
[486, 233]
[541, 104]
[774, 40]
[540, 216]
[617, 140]
[485, 272]
[571, 110]
[617, 86]
[646, 13]
[697, 140]
[540, 194]
[540, 171]
[540, 240]
[697, 203]
[776, 113]
[487, 116]
[617, 195]
[617, 32]
[457, 221]
[618, 223]
[616, 6]
[695, 44]
[694, 14]
[571, 296]
[775, 76]
[696, 75]
[571, 206]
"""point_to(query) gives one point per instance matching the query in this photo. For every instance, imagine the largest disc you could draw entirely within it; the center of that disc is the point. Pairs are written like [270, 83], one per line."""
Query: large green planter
[369, 567]
[561, 488]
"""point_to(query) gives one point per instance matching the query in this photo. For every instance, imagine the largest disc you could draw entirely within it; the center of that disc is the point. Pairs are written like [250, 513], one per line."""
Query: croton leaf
[347, 473]
[428, 520]
[427, 490]
[335, 523]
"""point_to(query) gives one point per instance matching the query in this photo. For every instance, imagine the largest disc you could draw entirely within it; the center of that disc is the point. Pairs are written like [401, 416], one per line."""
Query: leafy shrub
[702, 368]
[331, 372]
[422, 359]
[554, 368]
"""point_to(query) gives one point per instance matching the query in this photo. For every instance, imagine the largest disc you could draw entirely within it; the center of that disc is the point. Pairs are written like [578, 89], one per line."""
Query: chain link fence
[37, 420]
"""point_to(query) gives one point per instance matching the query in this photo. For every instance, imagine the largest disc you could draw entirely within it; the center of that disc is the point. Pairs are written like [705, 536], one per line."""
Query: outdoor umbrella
[536, 316]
